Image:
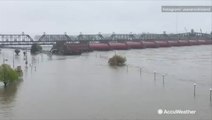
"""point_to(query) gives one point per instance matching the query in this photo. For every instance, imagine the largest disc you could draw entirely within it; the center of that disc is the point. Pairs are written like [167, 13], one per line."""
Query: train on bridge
[73, 48]
[77, 44]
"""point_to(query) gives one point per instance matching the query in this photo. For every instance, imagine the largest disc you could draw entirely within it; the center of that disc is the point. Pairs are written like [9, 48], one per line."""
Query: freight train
[76, 48]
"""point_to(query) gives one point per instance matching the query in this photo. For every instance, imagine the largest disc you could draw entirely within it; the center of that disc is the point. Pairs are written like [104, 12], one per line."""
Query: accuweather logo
[173, 112]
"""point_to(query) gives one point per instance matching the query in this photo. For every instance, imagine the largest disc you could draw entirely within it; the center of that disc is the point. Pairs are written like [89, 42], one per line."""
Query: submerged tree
[35, 48]
[7, 74]
[17, 51]
[117, 60]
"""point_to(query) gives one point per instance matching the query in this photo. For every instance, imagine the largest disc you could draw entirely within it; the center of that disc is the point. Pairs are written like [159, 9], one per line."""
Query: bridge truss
[50, 39]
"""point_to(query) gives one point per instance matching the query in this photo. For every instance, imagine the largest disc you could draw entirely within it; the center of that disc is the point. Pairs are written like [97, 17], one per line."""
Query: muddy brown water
[85, 87]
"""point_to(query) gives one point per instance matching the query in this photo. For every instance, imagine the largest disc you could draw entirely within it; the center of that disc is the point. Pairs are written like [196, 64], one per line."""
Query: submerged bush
[35, 48]
[17, 51]
[7, 74]
[117, 60]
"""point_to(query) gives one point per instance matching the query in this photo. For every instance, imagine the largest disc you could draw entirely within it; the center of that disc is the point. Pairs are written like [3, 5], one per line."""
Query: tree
[7, 74]
[35, 48]
[117, 60]
[17, 51]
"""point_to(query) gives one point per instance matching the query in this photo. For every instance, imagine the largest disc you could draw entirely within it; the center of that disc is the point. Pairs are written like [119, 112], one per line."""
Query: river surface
[86, 87]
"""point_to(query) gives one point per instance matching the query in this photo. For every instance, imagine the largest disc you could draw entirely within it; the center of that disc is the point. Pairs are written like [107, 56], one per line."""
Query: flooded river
[85, 87]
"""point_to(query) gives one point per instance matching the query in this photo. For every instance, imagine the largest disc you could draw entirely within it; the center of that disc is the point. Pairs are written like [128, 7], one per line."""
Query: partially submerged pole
[210, 93]
[154, 75]
[31, 66]
[140, 71]
[163, 79]
[195, 89]
[26, 62]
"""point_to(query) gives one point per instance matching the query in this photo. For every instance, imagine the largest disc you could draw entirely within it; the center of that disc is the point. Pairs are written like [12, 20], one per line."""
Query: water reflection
[7, 94]
[50, 57]
[7, 98]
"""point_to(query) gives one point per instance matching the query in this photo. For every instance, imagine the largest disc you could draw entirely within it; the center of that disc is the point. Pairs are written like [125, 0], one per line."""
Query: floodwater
[85, 87]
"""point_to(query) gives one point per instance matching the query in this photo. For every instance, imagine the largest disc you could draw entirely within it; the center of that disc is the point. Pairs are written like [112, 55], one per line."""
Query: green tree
[117, 60]
[7, 74]
[35, 48]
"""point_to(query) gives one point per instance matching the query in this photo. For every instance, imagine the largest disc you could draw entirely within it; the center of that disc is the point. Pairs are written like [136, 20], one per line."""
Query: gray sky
[73, 17]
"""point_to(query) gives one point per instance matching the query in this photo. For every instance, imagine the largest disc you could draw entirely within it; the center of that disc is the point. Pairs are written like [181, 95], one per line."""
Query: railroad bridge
[13, 39]
[50, 39]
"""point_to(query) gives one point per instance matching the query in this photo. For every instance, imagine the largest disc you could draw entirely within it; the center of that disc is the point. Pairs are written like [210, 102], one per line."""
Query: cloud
[73, 17]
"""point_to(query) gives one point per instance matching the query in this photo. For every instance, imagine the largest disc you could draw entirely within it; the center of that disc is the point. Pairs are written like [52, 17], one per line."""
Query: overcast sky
[73, 17]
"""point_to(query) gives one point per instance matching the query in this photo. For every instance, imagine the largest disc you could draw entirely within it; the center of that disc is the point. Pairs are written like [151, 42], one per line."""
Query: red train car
[162, 43]
[134, 45]
[202, 42]
[118, 46]
[183, 42]
[149, 44]
[208, 41]
[193, 42]
[99, 46]
[173, 43]
[71, 49]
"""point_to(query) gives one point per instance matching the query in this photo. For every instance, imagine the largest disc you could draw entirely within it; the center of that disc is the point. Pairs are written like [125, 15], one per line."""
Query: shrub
[117, 60]
[17, 51]
[7, 74]
[35, 48]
